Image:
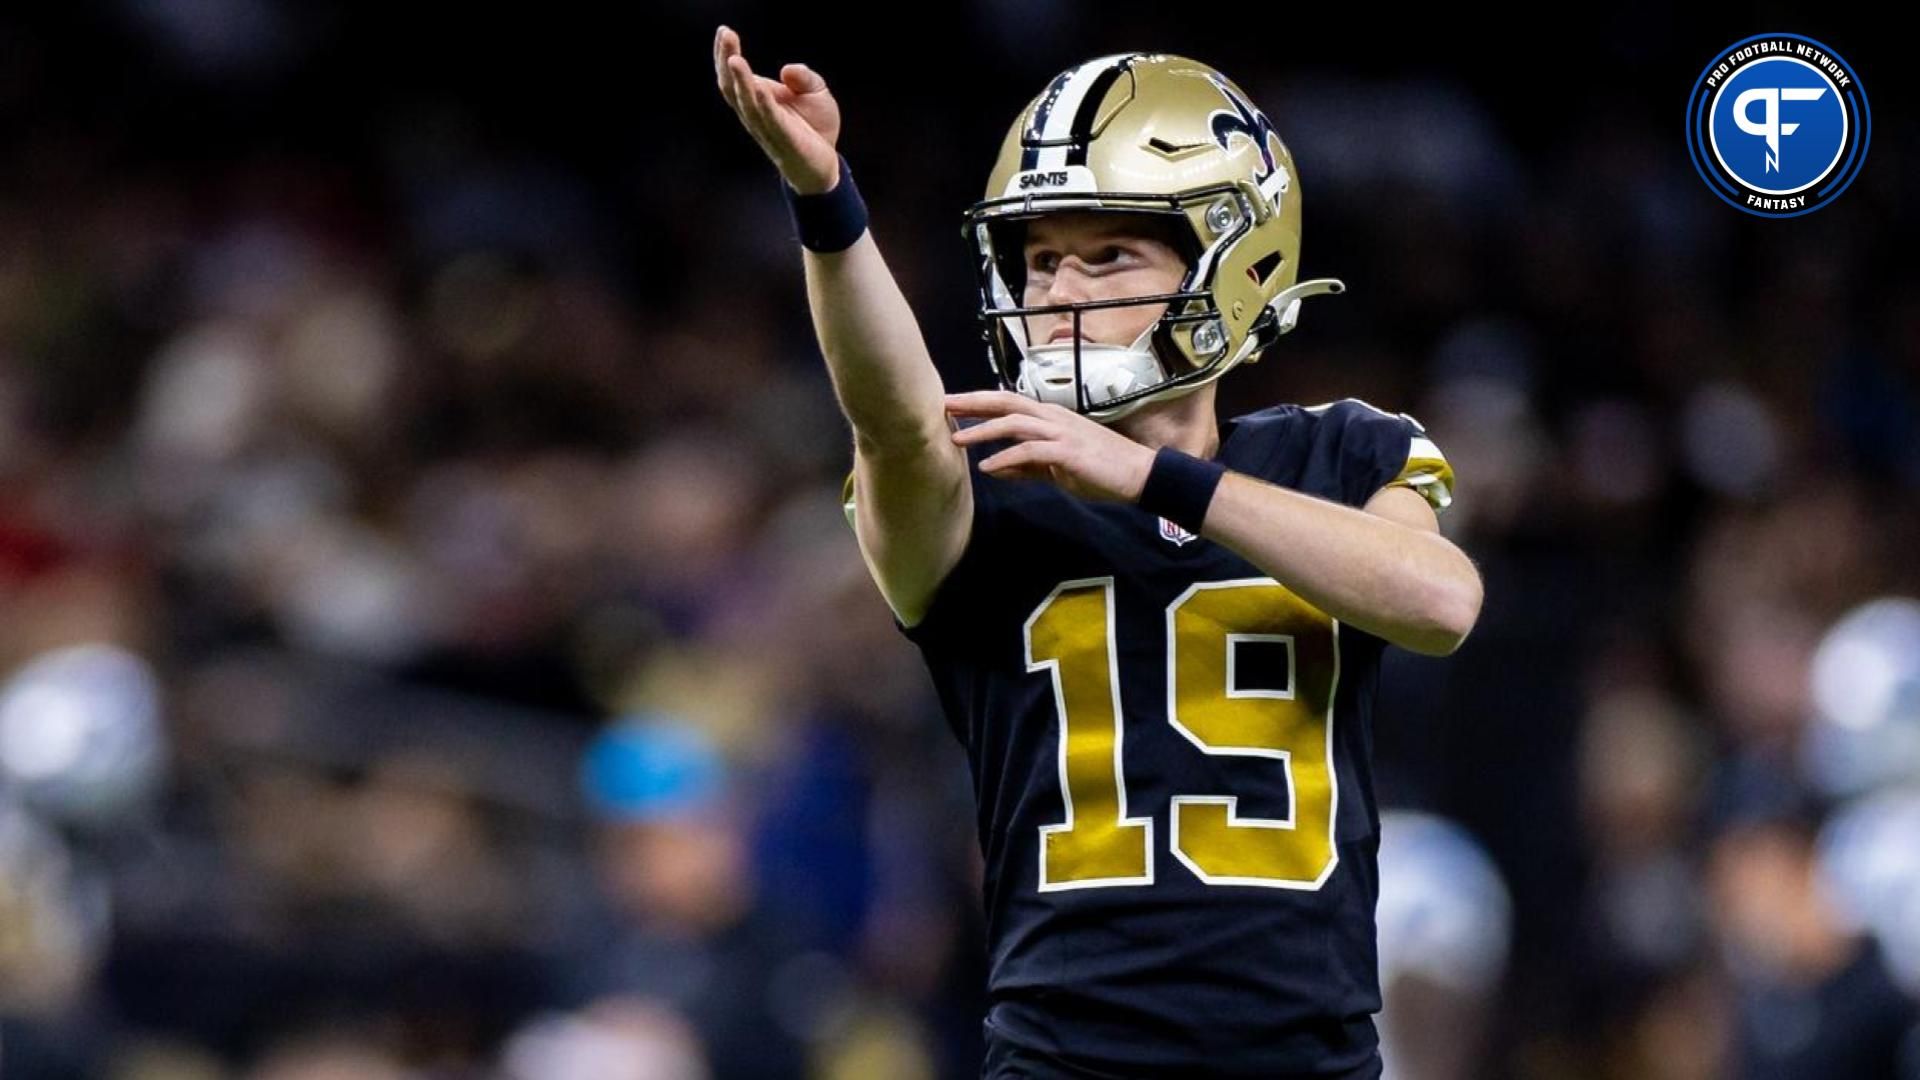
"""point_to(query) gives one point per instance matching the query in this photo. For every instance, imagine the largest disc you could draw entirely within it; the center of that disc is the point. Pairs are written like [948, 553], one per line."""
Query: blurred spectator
[611, 1039]
[1641, 767]
[1812, 997]
[329, 1057]
[682, 927]
[1445, 926]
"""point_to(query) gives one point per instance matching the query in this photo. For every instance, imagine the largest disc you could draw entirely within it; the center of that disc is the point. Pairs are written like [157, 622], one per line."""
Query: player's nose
[1069, 286]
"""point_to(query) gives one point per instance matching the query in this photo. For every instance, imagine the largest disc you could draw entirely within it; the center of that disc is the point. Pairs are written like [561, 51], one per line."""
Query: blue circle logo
[1777, 125]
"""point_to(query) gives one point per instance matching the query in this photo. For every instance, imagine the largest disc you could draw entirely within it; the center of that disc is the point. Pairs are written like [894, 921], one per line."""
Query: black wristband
[832, 220]
[1180, 487]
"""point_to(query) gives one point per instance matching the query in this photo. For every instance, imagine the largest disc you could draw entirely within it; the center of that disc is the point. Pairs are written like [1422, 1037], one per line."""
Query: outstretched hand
[794, 118]
[1082, 456]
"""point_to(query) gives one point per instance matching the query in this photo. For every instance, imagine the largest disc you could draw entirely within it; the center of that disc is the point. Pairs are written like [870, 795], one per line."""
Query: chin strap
[1286, 306]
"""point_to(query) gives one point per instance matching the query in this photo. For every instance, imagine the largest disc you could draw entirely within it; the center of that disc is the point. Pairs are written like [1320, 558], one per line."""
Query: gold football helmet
[1144, 133]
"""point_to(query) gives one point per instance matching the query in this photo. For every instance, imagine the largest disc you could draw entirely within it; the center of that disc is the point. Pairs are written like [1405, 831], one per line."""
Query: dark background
[394, 402]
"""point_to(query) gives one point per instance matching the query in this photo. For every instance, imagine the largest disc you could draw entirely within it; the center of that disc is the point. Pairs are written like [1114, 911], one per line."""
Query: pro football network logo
[1777, 125]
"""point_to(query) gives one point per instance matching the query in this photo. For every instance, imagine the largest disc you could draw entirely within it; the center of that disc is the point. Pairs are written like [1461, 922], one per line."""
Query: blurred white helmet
[80, 736]
[1865, 731]
[1869, 858]
[1444, 911]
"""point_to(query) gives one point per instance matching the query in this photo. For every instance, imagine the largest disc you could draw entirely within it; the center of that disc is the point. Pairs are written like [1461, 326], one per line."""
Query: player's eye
[1045, 261]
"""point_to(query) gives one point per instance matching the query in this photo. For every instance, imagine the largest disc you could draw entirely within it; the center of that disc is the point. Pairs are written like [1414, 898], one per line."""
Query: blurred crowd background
[431, 645]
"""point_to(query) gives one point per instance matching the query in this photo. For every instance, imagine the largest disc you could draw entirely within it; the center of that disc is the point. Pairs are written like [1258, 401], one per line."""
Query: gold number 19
[1071, 637]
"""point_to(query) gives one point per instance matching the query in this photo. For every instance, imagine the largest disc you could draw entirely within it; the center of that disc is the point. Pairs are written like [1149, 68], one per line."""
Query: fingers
[743, 89]
[748, 99]
[767, 107]
[1028, 457]
[802, 79]
[728, 65]
[735, 76]
[992, 403]
[1010, 426]
[753, 94]
[726, 45]
[1023, 472]
[746, 93]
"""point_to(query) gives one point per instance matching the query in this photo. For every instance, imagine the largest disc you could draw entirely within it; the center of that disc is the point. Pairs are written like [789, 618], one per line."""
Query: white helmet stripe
[1056, 117]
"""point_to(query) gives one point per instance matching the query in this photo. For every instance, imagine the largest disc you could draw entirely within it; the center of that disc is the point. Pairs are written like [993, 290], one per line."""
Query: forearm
[882, 374]
[1413, 588]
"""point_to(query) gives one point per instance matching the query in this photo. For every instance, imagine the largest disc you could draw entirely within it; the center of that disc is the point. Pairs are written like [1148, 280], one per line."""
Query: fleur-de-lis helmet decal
[1243, 120]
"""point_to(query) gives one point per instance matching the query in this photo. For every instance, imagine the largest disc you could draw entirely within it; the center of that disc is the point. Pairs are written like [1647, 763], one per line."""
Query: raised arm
[913, 502]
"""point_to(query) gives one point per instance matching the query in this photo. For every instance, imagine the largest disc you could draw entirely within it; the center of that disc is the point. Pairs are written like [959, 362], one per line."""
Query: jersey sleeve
[1394, 449]
[1425, 469]
[956, 603]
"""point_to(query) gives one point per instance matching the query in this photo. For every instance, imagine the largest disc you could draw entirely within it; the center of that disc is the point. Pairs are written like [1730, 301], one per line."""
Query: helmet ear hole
[1262, 271]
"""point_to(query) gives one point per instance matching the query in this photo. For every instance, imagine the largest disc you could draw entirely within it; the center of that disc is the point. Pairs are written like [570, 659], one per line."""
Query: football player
[1157, 638]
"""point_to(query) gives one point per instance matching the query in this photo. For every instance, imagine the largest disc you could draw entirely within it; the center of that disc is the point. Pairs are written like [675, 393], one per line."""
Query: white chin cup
[1046, 373]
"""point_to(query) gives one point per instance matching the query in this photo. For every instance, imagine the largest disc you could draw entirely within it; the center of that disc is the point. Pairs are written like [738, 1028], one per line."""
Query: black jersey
[1170, 753]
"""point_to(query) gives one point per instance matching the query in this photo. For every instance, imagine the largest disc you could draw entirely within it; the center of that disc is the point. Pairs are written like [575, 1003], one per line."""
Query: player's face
[1088, 255]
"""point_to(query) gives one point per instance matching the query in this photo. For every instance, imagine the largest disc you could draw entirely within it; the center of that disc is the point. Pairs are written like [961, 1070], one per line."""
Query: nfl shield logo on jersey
[1178, 535]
